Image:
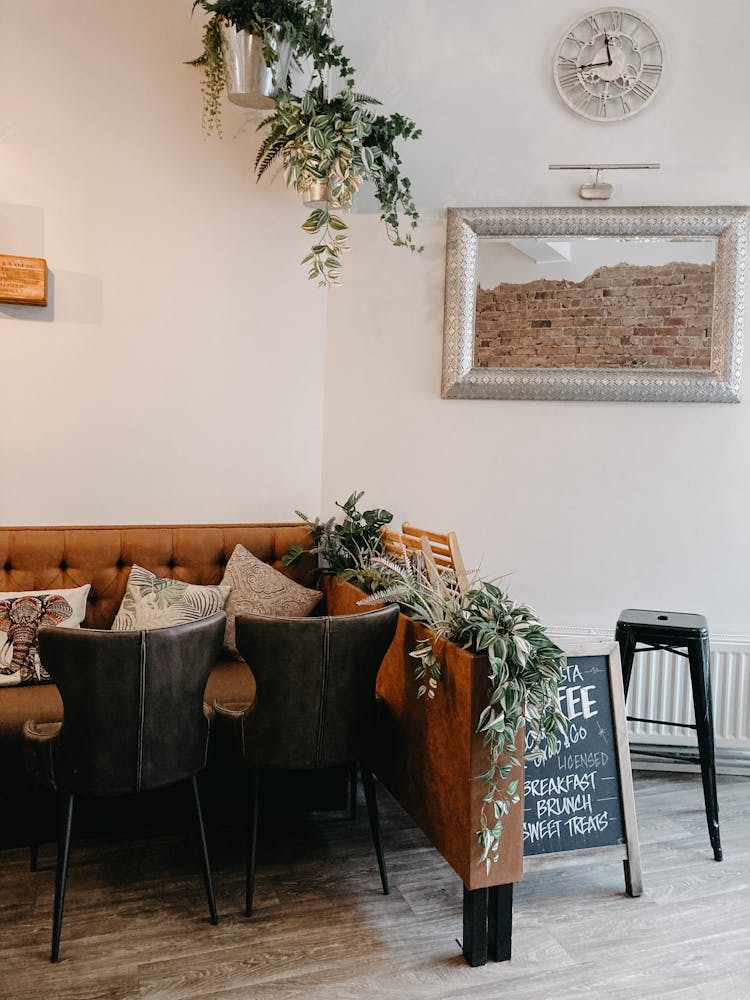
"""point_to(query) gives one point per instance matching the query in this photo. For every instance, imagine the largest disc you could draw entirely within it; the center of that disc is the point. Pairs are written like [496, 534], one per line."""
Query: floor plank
[136, 926]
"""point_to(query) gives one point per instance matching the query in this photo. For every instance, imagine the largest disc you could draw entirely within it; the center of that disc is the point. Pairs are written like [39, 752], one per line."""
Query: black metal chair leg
[700, 678]
[204, 852]
[33, 826]
[353, 791]
[372, 811]
[252, 839]
[63, 853]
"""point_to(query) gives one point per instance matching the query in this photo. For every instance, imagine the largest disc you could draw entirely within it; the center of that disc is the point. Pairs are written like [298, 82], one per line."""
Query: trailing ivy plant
[340, 142]
[525, 668]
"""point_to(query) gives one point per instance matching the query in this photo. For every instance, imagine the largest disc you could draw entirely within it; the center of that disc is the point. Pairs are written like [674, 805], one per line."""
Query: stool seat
[688, 626]
[674, 631]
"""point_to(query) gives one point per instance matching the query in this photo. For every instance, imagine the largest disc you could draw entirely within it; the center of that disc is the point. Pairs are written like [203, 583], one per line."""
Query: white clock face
[608, 66]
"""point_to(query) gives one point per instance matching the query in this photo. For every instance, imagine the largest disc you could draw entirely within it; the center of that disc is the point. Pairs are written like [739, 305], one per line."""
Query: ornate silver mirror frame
[467, 227]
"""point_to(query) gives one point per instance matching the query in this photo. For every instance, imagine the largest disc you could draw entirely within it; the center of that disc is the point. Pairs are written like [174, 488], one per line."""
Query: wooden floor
[136, 922]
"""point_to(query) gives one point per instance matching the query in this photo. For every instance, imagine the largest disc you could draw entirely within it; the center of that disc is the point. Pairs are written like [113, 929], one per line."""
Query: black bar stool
[676, 632]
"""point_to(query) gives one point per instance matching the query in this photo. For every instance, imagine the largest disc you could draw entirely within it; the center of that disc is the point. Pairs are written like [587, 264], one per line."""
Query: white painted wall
[180, 373]
[177, 375]
[590, 507]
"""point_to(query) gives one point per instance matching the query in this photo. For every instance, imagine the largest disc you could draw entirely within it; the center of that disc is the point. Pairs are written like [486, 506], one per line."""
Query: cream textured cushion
[157, 602]
[259, 589]
[21, 615]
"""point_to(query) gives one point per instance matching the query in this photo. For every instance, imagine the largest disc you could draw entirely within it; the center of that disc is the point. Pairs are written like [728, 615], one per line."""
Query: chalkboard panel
[572, 797]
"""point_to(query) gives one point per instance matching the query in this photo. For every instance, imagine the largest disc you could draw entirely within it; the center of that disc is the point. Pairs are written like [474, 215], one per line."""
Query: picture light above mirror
[599, 190]
[635, 304]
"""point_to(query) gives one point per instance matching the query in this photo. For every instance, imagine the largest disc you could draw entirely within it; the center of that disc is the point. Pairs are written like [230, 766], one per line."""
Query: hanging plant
[328, 145]
[340, 142]
[298, 23]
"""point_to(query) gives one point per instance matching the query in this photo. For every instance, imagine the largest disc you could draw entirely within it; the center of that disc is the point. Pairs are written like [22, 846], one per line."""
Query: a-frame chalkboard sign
[581, 798]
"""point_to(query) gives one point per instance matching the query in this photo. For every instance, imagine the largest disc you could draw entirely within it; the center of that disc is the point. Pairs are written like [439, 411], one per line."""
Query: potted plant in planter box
[489, 671]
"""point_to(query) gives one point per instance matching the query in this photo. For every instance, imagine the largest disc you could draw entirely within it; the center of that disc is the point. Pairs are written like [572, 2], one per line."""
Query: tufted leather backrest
[315, 686]
[41, 558]
[133, 704]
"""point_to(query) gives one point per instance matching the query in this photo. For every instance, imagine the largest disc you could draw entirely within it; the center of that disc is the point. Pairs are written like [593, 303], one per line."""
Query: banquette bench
[41, 558]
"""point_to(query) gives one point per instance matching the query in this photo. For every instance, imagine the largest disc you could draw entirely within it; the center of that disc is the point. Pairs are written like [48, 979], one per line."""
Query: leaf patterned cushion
[259, 589]
[154, 602]
[21, 615]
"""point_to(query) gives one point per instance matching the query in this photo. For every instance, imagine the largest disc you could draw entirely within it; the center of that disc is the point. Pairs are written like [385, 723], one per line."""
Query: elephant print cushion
[259, 589]
[155, 602]
[21, 616]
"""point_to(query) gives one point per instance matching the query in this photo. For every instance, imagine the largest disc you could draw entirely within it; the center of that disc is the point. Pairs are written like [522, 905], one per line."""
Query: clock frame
[609, 64]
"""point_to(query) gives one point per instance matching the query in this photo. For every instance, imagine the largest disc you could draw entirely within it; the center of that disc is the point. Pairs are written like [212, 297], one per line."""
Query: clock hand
[609, 56]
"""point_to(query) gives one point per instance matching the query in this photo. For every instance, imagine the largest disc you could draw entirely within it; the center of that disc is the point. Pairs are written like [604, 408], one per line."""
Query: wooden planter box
[429, 750]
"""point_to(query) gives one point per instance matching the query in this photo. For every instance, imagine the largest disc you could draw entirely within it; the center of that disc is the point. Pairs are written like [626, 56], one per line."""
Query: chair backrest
[315, 686]
[133, 704]
[440, 550]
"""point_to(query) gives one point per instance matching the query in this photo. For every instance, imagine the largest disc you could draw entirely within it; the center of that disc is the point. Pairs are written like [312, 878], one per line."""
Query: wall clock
[609, 65]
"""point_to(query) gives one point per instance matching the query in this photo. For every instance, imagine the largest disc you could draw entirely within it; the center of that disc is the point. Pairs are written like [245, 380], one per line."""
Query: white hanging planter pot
[251, 82]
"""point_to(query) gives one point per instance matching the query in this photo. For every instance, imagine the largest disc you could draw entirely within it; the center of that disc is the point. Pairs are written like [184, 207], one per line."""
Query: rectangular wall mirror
[595, 303]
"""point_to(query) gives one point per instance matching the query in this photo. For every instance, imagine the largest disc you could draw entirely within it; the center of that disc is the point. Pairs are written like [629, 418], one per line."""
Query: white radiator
[660, 689]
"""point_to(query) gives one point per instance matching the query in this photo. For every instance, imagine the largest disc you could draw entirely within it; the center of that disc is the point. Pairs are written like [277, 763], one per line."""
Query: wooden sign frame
[630, 850]
[23, 280]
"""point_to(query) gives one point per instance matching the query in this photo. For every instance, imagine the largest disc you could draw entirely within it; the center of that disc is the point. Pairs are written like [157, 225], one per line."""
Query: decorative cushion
[259, 589]
[21, 615]
[153, 602]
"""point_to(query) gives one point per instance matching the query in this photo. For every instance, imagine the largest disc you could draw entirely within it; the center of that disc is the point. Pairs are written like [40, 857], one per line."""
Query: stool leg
[627, 643]
[700, 678]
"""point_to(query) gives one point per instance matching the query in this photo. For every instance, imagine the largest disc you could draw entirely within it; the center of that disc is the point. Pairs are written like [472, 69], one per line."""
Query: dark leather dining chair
[134, 720]
[314, 704]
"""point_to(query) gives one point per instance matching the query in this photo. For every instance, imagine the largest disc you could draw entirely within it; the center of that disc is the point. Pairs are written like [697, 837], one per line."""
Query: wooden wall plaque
[23, 280]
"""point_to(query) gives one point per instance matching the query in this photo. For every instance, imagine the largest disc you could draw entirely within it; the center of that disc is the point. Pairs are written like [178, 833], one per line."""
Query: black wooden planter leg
[475, 926]
[500, 922]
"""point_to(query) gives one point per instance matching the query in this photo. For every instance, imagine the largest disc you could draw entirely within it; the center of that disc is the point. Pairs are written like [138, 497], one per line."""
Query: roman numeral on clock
[643, 90]
[569, 79]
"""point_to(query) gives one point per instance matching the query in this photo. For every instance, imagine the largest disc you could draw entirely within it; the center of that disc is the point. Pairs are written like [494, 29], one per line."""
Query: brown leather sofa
[41, 558]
